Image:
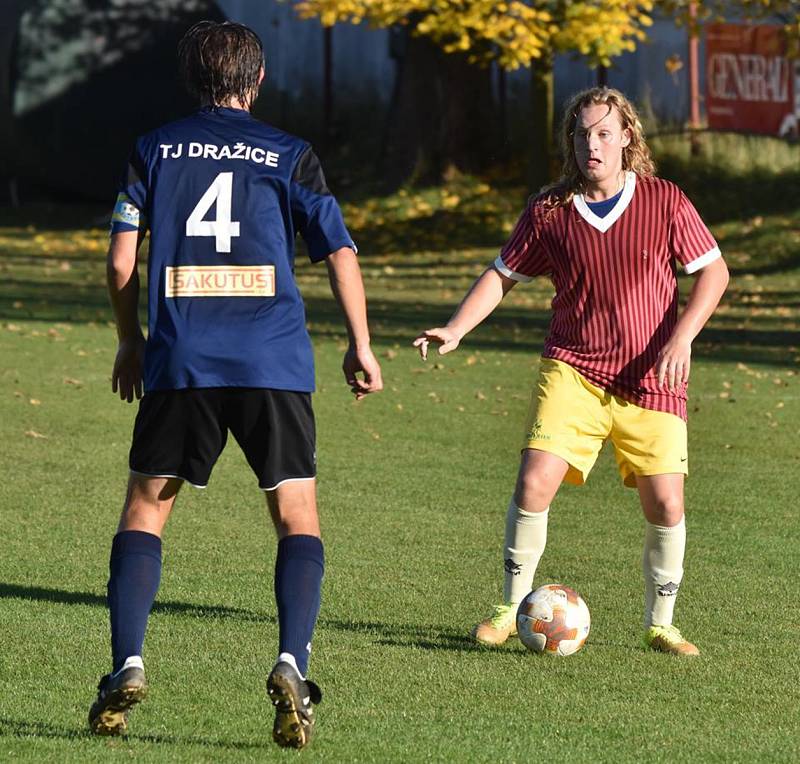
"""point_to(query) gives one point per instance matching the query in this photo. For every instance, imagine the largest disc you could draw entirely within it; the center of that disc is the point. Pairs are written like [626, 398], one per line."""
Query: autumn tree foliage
[512, 33]
[441, 113]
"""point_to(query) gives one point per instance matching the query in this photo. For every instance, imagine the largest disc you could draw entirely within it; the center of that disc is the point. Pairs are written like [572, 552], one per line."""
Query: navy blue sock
[135, 568]
[298, 579]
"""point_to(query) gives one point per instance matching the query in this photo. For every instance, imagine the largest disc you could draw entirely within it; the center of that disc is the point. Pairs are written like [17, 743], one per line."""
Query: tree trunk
[440, 117]
[543, 160]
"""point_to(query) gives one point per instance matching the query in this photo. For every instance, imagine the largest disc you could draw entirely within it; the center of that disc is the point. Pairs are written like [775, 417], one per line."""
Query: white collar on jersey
[603, 224]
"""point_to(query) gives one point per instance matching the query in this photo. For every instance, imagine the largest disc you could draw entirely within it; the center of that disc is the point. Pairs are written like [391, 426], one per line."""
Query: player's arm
[483, 297]
[674, 359]
[347, 286]
[122, 276]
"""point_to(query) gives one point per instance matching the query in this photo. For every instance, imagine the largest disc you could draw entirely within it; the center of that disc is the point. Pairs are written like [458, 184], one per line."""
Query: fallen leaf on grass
[34, 434]
[35, 402]
[71, 381]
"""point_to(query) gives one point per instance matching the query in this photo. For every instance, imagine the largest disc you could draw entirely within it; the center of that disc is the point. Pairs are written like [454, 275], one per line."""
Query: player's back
[223, 201]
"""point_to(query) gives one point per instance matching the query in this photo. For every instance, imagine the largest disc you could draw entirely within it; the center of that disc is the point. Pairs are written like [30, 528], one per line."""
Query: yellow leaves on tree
[512, 33]
[602, 30]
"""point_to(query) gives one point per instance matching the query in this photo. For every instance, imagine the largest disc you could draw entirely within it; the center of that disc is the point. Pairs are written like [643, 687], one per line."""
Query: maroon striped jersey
[616, 292]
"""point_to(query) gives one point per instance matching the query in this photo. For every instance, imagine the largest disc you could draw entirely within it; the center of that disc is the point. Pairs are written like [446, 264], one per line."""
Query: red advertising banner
[751, 85]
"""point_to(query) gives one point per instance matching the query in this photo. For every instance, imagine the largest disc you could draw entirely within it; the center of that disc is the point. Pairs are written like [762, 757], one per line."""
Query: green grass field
[413, 488]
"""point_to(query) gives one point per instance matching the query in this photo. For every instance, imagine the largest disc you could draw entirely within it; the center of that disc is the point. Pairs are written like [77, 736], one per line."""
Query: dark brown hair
[219, 62]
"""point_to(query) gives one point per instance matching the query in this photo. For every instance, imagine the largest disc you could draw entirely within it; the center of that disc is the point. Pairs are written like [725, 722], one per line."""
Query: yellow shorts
[572, 418]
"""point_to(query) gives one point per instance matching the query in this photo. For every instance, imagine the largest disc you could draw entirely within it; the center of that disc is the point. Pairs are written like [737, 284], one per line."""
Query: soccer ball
[553, 620]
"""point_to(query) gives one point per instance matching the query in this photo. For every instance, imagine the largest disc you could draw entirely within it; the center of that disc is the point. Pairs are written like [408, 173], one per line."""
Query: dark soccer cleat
[292, 697]
[116, 695]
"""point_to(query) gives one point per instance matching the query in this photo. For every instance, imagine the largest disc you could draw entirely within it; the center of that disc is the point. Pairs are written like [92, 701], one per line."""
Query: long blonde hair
[635, 156]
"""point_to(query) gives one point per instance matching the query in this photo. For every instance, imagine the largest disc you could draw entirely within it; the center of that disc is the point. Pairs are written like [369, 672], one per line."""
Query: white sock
[133, 660]
[289, 658]
[526, 536]
[662, 565]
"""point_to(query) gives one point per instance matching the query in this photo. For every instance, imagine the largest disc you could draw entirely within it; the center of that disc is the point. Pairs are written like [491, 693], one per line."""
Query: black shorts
[181, 433]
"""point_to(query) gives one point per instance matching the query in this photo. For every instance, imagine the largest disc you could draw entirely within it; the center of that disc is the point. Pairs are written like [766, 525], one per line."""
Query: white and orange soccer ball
[553, 620]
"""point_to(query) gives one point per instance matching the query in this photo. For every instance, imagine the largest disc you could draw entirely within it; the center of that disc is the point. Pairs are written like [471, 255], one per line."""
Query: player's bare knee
[665, 511]
[152, 491]
[148, 503]
[293, 507]
[534, 491]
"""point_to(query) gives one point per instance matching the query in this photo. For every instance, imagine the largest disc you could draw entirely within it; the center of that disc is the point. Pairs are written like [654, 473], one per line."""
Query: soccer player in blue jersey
[223, 196]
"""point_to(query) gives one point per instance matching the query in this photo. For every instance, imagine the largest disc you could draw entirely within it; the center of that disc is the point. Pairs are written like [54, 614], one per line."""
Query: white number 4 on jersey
[222, 228]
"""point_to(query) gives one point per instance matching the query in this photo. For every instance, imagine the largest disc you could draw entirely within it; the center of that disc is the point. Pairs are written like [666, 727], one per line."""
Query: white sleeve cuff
[702, 261]
[506, 271]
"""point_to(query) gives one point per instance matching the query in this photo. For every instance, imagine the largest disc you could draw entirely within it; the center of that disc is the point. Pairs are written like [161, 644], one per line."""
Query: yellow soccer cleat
[498, 627]
[667, 639]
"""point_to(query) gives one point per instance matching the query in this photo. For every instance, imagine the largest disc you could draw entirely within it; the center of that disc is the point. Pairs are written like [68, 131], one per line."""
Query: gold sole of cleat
[113, 719]
[291, 730]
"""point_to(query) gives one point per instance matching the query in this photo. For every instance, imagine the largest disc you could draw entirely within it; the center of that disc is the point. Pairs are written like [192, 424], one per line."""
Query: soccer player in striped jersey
[617, 355]
[223, 196]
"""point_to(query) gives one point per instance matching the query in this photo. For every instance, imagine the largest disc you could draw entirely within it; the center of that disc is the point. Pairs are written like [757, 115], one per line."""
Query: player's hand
[673, 363]
[362, 360]
[448, 340]
[128, 368]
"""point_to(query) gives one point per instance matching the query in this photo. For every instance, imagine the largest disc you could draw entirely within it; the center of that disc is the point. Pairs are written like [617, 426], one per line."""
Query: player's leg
[299, 568]
[565, 429]
[662, 560]
[134, 577]
[651, 451]
[177, 437]
[135, 565]
[276, 431]
[540, 475]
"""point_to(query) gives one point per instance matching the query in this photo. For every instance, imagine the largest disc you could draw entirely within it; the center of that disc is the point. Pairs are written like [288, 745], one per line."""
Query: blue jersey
[224, 196]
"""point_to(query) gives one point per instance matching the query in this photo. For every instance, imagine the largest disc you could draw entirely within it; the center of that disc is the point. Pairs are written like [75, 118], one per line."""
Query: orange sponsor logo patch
[220, 281]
